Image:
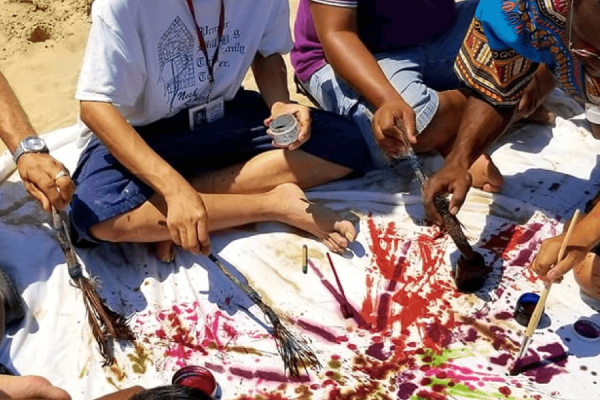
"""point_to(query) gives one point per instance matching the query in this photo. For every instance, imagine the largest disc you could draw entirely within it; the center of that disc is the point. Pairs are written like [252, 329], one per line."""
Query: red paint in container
[196, 377]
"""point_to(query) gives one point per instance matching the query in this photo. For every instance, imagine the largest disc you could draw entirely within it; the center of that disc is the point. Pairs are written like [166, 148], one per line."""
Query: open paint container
[586, 330]
[196, 377]
[525, 307]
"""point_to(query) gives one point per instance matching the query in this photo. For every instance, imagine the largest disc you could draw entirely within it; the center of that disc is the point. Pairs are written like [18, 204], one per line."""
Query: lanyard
[209, 64]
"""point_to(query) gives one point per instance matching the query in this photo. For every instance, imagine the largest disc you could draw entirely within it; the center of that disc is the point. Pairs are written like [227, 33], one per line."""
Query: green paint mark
[436, 360]
[83, 372]
[334, 364]
[139, 360]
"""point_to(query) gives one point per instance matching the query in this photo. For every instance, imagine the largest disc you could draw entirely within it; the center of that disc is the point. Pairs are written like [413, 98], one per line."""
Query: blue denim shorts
[106, 189]
[417, 72]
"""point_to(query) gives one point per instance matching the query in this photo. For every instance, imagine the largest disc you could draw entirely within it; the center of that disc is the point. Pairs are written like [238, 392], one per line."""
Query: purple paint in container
[586, 330]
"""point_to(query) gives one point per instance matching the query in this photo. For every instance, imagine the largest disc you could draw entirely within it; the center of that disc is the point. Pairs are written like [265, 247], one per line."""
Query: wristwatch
[31, 144]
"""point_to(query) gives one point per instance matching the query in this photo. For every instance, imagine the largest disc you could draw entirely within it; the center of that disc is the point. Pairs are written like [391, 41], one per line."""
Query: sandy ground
[41, 47]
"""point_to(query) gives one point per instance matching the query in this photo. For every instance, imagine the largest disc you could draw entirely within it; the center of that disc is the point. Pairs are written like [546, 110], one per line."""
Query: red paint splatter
[504, 390]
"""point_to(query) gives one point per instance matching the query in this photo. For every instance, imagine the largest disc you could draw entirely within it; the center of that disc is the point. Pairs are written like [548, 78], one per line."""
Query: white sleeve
[277, 37]
[113, 68]
[592, 113]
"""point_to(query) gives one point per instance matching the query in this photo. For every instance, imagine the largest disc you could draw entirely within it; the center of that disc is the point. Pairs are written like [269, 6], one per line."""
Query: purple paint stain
[471, 335]
[439, 334]
[330, 337]
[523, 258]
[529, 232]
[504, 315]
[376, 350]
[406, 390]
[501, 360]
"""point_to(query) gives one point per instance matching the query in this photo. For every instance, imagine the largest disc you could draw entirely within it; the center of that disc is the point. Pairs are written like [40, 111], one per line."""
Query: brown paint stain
[303, 392]
[117, 373]
[244, 350]
[499, 341]
[334, 364]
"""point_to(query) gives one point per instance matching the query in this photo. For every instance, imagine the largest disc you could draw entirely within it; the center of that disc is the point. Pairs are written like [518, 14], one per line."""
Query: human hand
[546, 263]
[187, 220]
[392, 122]
[302, 114]
[450, 178]
[38, 172]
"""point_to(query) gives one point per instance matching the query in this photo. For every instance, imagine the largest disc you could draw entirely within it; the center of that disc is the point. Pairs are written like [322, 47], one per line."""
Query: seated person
[582, 255]
[154, 172]
[506, 42]
[381, 62]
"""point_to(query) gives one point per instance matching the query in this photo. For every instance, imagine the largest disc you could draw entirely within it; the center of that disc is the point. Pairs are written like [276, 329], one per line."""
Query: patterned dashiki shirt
[507, 40]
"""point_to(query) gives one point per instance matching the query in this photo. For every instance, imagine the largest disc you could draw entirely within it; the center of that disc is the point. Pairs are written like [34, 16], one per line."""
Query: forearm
[481, 125]
[14, 124]
[270, 74]
[127, 146]
[355, 64]
[587, 231]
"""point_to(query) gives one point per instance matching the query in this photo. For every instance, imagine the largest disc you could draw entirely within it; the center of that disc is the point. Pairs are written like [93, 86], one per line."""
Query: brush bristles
[294, 352]
[453, 227]
[106, 324]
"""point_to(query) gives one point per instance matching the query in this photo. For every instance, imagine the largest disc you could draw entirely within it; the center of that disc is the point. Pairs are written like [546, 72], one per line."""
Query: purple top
[382, 26]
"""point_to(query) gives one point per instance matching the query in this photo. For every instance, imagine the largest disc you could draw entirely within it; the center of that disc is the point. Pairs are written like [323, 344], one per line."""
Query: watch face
[34, 144]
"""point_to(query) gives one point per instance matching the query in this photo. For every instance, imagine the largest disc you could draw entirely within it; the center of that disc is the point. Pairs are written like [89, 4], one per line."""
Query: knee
[107, 231]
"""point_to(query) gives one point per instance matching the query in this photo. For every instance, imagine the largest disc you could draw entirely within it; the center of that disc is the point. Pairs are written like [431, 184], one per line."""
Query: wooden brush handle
[537, 313]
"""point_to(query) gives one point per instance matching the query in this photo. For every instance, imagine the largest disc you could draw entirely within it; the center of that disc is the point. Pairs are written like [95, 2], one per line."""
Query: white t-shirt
[144, 56]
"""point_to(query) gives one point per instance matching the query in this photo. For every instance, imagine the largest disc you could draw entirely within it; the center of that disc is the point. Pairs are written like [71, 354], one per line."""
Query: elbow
[86, 112]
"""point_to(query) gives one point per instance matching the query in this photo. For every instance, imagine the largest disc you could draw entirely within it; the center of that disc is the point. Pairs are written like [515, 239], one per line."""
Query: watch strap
[21, 149]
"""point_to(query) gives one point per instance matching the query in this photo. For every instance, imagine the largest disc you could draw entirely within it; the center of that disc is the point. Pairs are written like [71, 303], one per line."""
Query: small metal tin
[525, 307]
[196, 377]
[284, 129]
[586, 330]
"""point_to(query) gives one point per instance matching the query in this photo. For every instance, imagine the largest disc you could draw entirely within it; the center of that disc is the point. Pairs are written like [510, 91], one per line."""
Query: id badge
[206, 113]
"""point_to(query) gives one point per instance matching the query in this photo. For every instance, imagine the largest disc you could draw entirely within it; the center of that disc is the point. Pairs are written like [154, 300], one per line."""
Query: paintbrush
[537, 312]
[106, 324]
[344, 307]
[471, 270]
[293, 350]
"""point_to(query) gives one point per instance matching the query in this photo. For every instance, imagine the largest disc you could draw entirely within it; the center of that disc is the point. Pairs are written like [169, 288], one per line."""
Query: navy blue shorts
[106, 189]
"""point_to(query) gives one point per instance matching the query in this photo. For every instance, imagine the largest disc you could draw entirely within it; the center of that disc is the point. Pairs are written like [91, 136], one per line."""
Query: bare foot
[542, 116]
[531, 107]
[486, 175]
[165, 250]
[296, 210]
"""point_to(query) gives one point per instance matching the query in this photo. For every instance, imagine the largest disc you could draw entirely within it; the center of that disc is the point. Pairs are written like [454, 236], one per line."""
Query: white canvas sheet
[413, 335]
